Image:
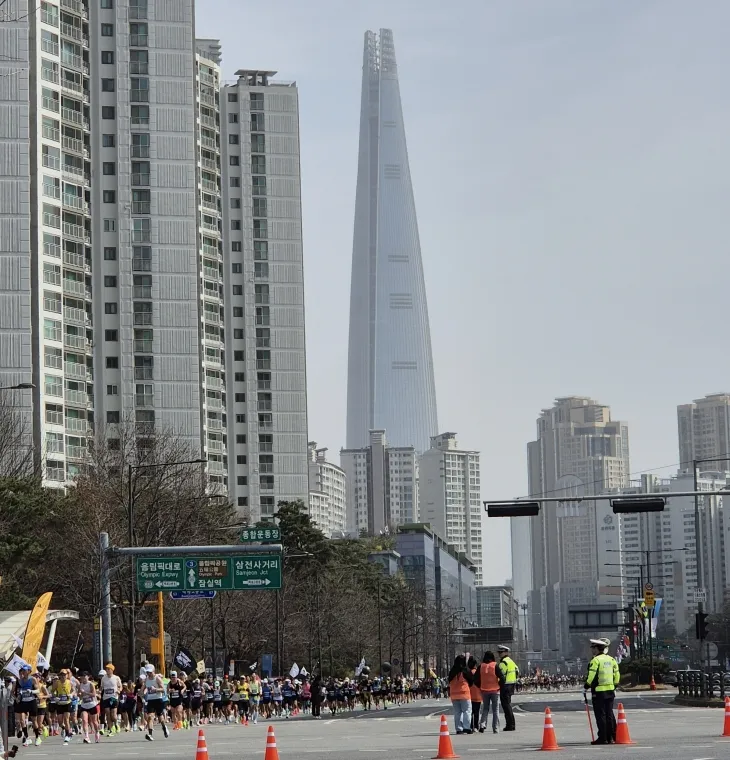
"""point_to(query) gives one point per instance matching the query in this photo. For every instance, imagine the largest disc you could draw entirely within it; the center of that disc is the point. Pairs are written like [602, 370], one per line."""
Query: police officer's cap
[503, 648]
[598, 643]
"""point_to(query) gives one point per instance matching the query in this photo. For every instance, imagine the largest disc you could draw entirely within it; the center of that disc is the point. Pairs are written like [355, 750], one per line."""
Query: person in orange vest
[475, 694]
[488, 682]
[460, 680]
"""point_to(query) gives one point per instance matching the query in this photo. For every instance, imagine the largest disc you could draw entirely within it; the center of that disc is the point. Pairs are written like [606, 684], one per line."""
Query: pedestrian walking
[508, 672]
[460, 680]
[602, 679]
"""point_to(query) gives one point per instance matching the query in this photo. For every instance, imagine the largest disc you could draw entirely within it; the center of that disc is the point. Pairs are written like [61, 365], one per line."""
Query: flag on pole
[303, 672]
[359, 668]
[14, 665]
[294, 671]
[18, 641]
[253, 666]
[42, 662]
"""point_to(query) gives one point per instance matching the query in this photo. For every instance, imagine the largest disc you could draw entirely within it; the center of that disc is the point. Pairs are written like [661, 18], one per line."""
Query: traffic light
[631, 506]
[701, 627]
[513, 509]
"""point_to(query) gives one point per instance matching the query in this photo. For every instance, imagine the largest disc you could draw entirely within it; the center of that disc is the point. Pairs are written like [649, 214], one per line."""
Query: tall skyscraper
[133, 279]
[704, 432]
[390, 367]
[579, 450]
[449, 496]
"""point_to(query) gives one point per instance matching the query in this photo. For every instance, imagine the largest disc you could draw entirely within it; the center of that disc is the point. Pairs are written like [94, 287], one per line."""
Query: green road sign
[210, 573]
[250, 535]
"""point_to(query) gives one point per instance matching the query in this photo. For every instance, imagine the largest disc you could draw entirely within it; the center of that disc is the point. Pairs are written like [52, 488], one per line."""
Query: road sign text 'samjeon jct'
[260, 571]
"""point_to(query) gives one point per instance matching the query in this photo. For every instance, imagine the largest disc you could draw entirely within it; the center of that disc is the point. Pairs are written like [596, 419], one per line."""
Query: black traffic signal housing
[632, 506]
[702, 629]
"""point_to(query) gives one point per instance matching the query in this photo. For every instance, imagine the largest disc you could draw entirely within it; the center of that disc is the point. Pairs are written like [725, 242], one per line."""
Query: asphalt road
[661, 732]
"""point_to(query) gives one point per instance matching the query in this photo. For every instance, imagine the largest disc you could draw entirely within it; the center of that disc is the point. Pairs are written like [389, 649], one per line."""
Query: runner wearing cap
[26, 694]
[154, 691]
[176, 691]
[111, 688]
[63, 692]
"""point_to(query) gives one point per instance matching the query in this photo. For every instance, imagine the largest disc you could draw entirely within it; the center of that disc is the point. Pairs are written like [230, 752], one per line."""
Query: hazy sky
[570, 167]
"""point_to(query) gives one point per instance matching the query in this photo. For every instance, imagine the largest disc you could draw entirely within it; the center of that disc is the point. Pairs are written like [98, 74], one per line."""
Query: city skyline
[390, 383]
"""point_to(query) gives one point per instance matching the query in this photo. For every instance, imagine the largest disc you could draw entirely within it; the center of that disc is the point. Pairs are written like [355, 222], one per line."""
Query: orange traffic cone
[726, 729]
[622, 727]
[271, 752]
[446, 751]
[549, 740]
[202, 751]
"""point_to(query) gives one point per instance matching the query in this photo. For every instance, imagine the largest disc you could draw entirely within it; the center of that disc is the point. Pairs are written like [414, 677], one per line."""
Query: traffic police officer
[602, 679]
[507, 674]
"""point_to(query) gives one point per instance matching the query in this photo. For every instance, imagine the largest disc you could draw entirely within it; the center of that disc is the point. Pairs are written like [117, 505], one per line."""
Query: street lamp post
[132, 649]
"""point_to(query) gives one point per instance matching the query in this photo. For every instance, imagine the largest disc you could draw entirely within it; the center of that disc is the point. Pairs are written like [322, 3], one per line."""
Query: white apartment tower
[704, 432]
[264, 285]
[382, 486]
[134, 242]
[449, 496]
[327, 493]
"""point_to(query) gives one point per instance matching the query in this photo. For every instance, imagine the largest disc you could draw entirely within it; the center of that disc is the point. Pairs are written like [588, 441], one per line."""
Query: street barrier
[699, 685]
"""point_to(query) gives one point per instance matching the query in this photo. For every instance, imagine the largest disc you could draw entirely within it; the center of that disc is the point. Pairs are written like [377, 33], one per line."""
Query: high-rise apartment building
[497, 606]
[382, 486]
[704, 432]
[449, 496]
[579, 450]
[390, 383]
[327, 493]
[151, 244]
[264, 285]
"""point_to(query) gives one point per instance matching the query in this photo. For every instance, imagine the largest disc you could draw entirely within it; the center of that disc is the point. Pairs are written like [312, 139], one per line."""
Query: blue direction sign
[193, 594]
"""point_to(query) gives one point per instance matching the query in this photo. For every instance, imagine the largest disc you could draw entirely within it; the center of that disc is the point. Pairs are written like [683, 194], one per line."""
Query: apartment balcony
[73, 170]
[76, 260]
[74, 61]
[213, 382]
[206, 184]
[77, 424]
[212, 205]
[77, 371]
[49, 75]
[75, 452]
[211, 250]
[51, 104]
[208, 142]
[54, 447]
[54, 418]
[144, 400]
[75, 316]
[142, 346]
[212, 317]
[48, 46]
[51, 191]
[70, 114]
[210, 164]
[212, 273]
[51, 162]
[74, 288]
[208, 79]
[80, 399]
[214, 466]
[214, 424]
[55, 474]
[53, 305]
[213, 403]
[75, 202]
[77, 342]
[51, 220]
[76, 231]
[208, 121]
[51, 133]
[75, 6]
[208, 293]
[208, 100]
[214, 445]
[71, 85]
[51, 249]
[72, 144]
[74, 32]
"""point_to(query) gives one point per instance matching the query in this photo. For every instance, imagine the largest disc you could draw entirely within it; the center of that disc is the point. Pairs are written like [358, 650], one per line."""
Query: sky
[570, 162]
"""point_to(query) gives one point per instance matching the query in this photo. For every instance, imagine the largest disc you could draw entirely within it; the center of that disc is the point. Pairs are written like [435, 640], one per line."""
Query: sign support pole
[106, 608]
[161, 630]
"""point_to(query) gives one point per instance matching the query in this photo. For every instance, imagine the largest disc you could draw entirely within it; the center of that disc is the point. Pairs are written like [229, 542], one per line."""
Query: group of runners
[72, 704]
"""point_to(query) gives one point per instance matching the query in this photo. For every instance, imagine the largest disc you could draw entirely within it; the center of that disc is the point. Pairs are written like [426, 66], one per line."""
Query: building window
[263, 381]
[110, 307]
[263, 337]
[257, 122]
[235, 203]
[233, 97]
[143, 366]
[111, 336]
[142, 258]
[235, 224]
[260, 250]
[112, 418]
[235, 182]
[140, 145]
[141, 200]
[108, 112]
[107, 84]
[138, 62]
[260, 228]
[240, 377]
[259, 185]
[140, 116]
[240, 459]
[109, 196]
[240, 397]
[238, 290]
[266, 442]
[236, 246]
[236, 268]
[142, 286]
[256, 101]
[261, 294]
[258, 164]
[261, 270]
[260, 207]
[107, 4]
[110, 281]
[110, 225]
[107, 30]
[112, 362]
[258, 143]
[238, 334]
[138, 34]
[234, 160]
[233, 118]
[108, 168]
[238, 356]
[140, 173]
[112, 390]
[141, 230]
[237, 311]
[107, 141]
[142, 313]
[233, 139]
[139, 90]
[263, 360]
[107, 56]
[138, 9]
[110, 253]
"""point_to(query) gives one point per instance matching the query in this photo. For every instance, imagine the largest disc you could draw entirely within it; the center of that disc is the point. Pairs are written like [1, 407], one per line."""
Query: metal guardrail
[701, 685]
